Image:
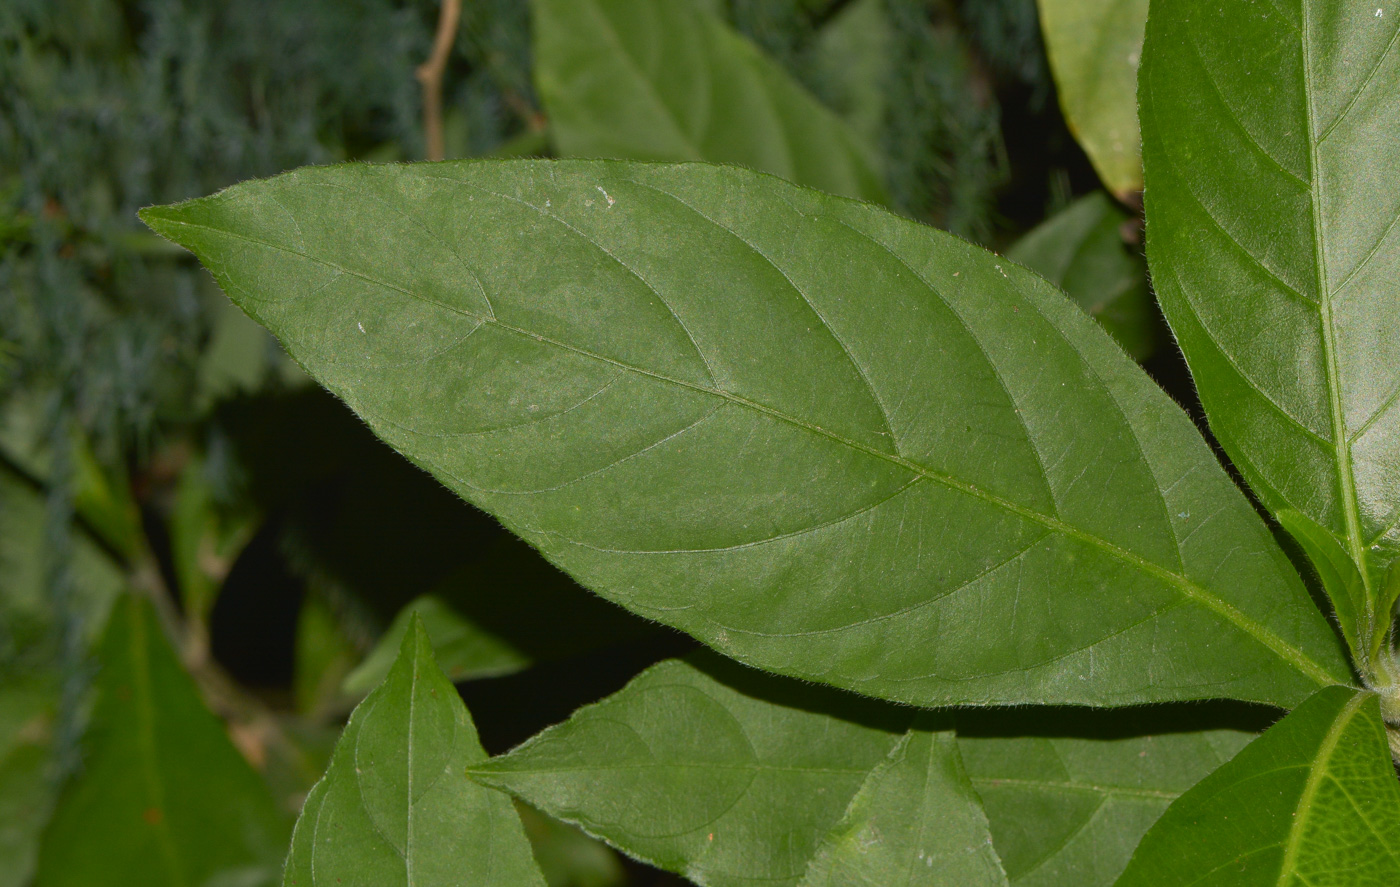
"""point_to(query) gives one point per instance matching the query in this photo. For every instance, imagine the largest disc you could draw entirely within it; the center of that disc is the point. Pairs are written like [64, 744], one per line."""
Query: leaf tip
[417, 643]
[163, 219]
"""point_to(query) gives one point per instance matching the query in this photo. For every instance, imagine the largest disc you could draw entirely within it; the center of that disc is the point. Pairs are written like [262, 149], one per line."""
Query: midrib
[1316, 773]
[1346, 479]
[1295, 657]
[143, 692]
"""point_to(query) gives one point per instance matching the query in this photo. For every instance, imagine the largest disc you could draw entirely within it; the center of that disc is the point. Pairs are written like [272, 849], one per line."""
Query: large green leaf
[731, 777]
[163, 797]
[1094, 48]
[1069, 810]
[1273, 199]
[395, 806]
[820, 438]
[1081, 250]
[641, 80]
[1314, 801]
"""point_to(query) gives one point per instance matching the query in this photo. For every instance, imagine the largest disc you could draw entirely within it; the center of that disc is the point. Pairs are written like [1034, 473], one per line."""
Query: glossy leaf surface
[164, 798]
[1081, 250]
[1272, 203]
[1070, 810]
[820, 438]
[640, 80]
[1095, 47]
[395, 806]
[1313, 801]
[731, 777]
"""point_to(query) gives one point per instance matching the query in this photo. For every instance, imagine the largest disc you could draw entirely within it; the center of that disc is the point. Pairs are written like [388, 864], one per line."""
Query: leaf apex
[165, 220]
[417, 644]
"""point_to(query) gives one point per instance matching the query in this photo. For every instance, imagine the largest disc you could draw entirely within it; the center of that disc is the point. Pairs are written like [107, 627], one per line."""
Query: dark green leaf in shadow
[163, 797]
[234, 361]
[325, 655]
[1337, 571]
[852, 59]
[504, 612]
[204, 541]
[30, 622]
[395, 805]
[567, 856]
[100, 495]
[1313, 801]
[350, 514]
[1081, 250]
[26, 771]
[640, 80]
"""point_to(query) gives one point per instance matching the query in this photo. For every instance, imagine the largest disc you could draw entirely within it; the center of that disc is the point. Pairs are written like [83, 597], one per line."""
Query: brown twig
[430, 74]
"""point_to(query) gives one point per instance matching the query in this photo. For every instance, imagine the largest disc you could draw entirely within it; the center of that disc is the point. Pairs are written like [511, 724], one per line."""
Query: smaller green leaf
[1069, 809]
[324, 656]
[1313, 801]
[852, 59]
[28, 616]
[236, 358]
[463, 649]
[395, 806]
[163, 799]
[103, 501]
[1390, 594]
[1081, 250]
[203, 542]
[735, 777]
[1095, 47]
[641, 80]
[1340, 579]
[500, 614]
[567, 856]
[915, 821]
